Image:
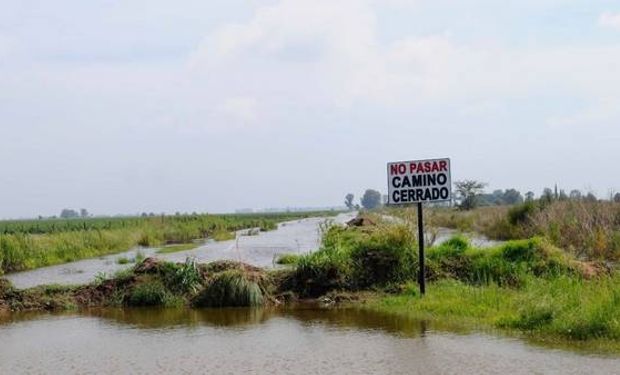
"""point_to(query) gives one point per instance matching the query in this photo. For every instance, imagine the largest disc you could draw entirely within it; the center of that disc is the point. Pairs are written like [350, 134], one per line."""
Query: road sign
[419, 181]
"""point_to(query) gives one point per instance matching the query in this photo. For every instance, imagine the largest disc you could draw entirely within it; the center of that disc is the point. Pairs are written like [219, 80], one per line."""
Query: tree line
[469, 194]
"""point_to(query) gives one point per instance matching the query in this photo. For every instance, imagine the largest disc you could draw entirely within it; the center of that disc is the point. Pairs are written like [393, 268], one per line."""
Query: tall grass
[231, 289]
[562, 306]
[37, 243]
[589, 230]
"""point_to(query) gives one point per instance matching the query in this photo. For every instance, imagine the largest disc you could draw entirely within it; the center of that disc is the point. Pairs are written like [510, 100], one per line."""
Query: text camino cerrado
[420, 187]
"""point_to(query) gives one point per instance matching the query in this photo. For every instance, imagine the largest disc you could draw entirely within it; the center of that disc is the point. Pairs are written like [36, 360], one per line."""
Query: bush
[448, 260]
[320, 272]
[230, 289]
[150, 293]
[183, 278]
[387, 256]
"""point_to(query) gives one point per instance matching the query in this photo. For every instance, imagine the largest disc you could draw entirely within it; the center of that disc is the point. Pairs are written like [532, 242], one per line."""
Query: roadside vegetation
[586, 229]
[529, 286]
[535, 285]
[29, 244]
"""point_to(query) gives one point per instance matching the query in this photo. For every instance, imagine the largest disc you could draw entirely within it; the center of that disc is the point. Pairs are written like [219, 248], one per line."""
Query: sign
[419, 181]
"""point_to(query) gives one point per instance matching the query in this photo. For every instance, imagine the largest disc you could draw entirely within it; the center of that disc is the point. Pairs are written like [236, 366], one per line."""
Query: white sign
[419, 181]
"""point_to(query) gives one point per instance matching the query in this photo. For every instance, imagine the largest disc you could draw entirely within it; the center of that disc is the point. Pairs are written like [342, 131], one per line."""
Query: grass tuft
[230, 289]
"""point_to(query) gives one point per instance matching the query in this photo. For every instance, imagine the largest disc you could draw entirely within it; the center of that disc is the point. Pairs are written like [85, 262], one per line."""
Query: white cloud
[309, 49]
[609, 19]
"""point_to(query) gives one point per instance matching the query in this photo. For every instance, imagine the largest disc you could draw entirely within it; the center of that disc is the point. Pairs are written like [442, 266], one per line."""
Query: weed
[230, 289]
[287, 259]
[150, 293]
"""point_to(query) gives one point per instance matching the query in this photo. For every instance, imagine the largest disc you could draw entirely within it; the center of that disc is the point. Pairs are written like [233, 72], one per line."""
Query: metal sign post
[422, 271]
[419, 181]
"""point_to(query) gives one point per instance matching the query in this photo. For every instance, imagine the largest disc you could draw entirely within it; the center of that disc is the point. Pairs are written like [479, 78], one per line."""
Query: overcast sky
[123, 106]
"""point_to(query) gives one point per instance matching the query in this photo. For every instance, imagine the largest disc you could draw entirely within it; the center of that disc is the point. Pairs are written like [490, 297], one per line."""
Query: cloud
[609, 19]
[329, 53]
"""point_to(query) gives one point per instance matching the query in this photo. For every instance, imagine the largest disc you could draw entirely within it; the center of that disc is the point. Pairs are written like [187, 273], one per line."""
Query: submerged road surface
[298, 236]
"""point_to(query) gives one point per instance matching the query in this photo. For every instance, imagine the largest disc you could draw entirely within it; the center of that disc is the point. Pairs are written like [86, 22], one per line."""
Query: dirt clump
[361, 221]
[148, 265]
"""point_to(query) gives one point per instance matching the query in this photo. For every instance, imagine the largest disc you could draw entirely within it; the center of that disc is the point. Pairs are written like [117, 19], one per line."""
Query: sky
[125, 106]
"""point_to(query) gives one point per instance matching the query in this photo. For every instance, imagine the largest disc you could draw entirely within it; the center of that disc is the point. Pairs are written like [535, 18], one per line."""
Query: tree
[371, 199]
[563, 196]
[547, 196]
[617, 198]
[67, 213]
[590, 197]
[467, 192]
[575, 194]
[512, 196]
[84, 212]
[529, 196]
[348, 201]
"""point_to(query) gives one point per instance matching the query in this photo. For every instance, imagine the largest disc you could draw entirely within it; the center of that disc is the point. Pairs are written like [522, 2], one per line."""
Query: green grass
[561, 307]
[231, 289]
[178, 248]
[288, 259]
[223, 235]
[152, 293]
[123, 260]
[30, 244]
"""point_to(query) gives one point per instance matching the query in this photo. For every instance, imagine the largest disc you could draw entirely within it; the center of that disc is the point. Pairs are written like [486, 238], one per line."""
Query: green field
[29, 244]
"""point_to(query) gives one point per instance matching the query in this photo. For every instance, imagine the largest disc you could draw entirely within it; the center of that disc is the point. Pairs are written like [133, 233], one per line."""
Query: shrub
[184, 278]
[320, 272]
[230, 289]
[150, 293]
[448, 260]
[386, 256]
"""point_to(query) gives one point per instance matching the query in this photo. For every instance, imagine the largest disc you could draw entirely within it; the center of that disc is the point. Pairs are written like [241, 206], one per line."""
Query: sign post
[419, 181]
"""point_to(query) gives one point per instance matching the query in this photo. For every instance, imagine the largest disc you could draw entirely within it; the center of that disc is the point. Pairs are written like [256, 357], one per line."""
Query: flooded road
[296, 341]
[298, 236]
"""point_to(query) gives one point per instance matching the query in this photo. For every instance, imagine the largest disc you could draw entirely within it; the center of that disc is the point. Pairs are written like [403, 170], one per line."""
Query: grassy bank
[561, 308]
[528, 286]
[586, 229]
[36, 243]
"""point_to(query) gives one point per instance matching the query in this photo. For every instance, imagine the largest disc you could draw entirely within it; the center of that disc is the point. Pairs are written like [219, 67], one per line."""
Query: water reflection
[276, 341]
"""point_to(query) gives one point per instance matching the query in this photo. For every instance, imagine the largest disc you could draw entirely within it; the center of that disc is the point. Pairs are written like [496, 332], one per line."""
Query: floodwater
[259, 341]
[299, 236]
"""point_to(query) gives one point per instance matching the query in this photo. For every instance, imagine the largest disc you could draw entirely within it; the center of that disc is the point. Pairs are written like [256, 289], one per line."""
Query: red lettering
[412, 167]
[443, 166]
[393, 169]
[396, 169]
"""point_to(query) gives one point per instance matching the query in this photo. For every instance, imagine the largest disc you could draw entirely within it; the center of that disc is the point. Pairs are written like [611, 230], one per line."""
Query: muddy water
[297, 341]
[299, 236]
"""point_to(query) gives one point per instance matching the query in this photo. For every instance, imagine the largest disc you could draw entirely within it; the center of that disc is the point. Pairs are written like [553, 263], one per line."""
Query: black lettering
[427, 194]
[442, 179]
[444, 192]
[396, 182]
[396, 196]
[406, 182]
[417, 180]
